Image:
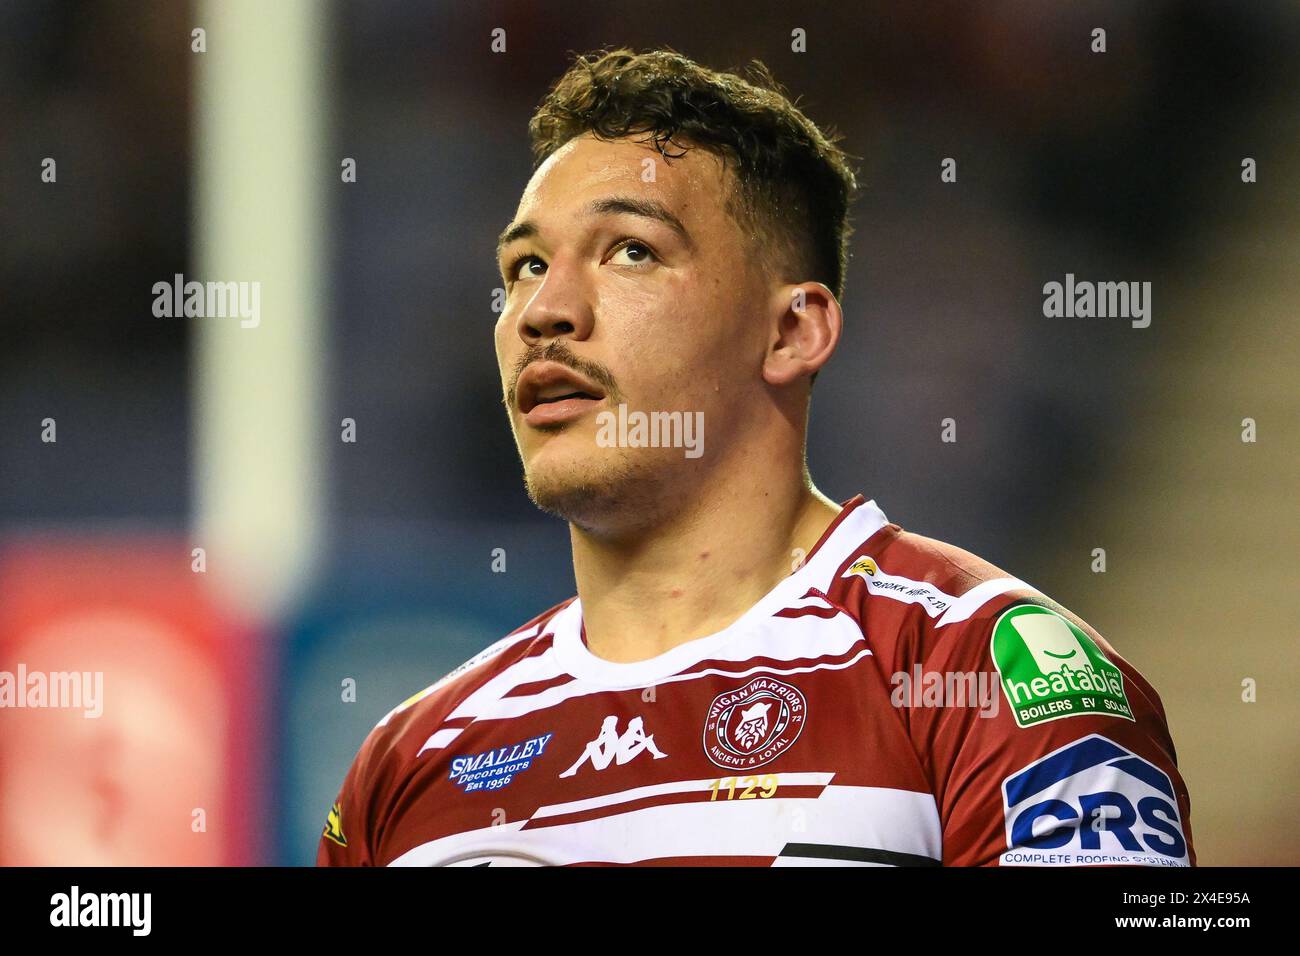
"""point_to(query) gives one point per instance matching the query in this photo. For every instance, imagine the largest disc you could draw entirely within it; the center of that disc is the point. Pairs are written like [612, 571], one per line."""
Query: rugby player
[750, 673]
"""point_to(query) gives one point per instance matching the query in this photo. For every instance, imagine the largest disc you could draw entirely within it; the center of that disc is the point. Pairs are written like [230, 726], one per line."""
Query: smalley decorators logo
[753, 725]
[496, 768]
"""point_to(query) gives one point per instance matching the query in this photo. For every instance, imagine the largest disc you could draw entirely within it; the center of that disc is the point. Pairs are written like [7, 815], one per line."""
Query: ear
[807, 329]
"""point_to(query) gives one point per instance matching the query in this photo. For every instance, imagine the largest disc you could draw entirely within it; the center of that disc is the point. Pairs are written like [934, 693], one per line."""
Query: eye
[632, 252]
[526, 267]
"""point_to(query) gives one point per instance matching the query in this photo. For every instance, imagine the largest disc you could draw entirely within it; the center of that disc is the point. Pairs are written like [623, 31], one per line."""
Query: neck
[700, 567]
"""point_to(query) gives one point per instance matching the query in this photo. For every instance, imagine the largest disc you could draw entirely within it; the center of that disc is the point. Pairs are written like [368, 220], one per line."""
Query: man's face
[627, 281]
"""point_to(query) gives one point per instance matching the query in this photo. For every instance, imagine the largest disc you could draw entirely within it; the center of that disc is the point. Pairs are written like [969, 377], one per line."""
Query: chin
[592, 492]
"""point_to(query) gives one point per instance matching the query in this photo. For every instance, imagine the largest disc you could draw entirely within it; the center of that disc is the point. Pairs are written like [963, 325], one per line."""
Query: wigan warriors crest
[751, 726]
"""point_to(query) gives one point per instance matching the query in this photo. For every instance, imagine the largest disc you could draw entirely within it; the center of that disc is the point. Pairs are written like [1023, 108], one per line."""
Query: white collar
[857, 521]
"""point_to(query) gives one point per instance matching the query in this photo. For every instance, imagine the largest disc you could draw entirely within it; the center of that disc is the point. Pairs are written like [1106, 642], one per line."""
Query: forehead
[693, 186]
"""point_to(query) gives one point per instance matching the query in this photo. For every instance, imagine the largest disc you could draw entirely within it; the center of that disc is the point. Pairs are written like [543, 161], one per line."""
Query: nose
[560, 306]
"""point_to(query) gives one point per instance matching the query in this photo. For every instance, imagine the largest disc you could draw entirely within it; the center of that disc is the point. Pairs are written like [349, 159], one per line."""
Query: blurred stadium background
[371, 560]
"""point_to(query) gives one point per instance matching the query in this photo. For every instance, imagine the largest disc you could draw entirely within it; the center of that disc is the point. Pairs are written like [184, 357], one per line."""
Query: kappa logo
[754, 724]
[611, 747]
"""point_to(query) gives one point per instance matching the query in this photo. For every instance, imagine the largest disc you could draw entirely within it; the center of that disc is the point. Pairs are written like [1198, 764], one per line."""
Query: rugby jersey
[894, 701]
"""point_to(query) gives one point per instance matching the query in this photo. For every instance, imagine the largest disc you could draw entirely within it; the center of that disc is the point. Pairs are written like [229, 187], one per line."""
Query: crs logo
[1092, 802]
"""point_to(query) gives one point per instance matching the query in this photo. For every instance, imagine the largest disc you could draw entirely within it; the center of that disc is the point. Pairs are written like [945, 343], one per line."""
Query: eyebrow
[613, 205]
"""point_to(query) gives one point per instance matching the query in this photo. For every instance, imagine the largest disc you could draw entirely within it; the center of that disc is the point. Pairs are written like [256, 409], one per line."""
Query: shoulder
[384, 761]
[924, 601]
[1010, 698]
[406, 728]
[896, 577]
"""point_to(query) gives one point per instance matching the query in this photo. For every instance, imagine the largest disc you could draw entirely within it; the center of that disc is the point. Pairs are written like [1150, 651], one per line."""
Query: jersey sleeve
[1047, 748]
[348, 836]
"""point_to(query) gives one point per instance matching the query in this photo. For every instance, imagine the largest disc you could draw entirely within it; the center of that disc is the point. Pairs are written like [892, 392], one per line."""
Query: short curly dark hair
[795, 183]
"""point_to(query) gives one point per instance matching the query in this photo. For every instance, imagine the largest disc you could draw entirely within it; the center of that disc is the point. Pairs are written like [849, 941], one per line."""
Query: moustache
[558, 352]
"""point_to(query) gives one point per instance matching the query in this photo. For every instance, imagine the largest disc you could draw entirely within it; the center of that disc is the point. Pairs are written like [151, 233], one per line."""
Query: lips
[548, 393]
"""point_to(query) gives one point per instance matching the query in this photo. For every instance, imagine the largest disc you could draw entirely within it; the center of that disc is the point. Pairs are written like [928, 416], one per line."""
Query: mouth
[548, 393]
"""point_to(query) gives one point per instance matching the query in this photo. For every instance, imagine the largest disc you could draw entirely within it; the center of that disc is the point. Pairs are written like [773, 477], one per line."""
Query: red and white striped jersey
[894, 701]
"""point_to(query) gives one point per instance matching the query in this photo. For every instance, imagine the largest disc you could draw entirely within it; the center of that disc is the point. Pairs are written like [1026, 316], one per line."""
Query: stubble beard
[613, 495]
